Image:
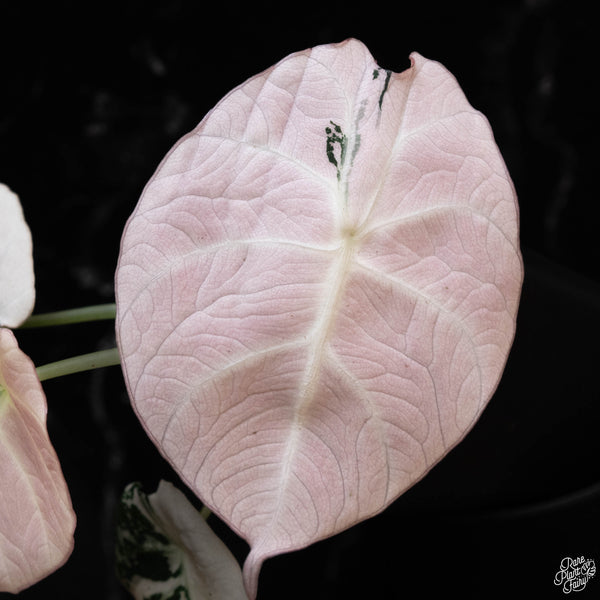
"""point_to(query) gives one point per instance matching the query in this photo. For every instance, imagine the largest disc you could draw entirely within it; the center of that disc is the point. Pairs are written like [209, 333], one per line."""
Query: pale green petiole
[84, 362]
[74, 315]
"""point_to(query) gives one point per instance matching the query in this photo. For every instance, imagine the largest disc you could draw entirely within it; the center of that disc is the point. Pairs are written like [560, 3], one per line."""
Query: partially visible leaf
[17, 284]
[317, 292]
[167, 551]
[36, 517]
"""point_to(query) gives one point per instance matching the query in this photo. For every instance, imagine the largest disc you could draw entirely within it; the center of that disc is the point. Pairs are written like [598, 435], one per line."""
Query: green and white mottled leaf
[167, 551]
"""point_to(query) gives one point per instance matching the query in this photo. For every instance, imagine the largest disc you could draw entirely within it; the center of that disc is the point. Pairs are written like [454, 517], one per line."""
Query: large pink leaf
[317, 292]
[36, 517]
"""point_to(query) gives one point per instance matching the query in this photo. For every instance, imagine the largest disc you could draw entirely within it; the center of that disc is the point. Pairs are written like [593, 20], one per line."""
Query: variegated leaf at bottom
[167, 551]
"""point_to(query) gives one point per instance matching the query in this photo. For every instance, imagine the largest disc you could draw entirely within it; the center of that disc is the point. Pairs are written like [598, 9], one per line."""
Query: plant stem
[84, 362]
[74, 315]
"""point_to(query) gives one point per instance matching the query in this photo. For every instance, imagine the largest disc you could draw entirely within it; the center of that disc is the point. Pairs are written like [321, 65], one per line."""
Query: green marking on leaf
[357, 136]
[355, 148]
[4, 397]
[336, 136]
[6, 401]
[385, 87]
[375, 73]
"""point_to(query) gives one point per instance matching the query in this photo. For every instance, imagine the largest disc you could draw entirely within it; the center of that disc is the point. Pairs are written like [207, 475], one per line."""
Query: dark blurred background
[92, 96]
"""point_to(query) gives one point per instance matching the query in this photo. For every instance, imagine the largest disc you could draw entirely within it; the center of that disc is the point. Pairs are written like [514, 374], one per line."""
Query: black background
[93, 94]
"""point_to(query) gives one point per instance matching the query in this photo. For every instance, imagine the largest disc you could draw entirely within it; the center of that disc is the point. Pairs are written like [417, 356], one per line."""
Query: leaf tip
[251, 571]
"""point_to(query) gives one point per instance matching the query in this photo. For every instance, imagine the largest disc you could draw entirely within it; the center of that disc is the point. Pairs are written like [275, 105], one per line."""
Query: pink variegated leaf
[317, 292]
[36, 517]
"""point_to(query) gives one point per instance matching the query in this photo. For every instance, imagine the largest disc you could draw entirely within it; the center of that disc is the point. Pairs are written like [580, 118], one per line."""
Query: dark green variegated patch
[336, 146]
[143, 552]
[388, 74]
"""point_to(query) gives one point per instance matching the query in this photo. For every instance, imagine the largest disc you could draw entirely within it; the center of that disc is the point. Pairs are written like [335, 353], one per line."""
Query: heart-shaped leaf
[36, 517]
[165, 549]
[17, 286]
[317, 292]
